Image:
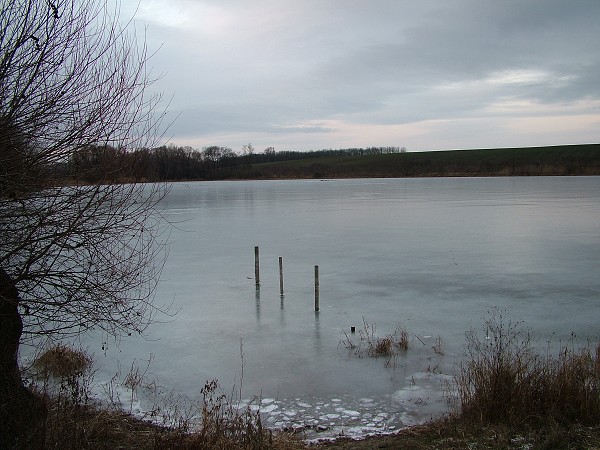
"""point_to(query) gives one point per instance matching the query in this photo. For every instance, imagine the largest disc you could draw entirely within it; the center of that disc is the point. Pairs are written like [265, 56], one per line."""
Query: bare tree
[247, 149]
[71, 257]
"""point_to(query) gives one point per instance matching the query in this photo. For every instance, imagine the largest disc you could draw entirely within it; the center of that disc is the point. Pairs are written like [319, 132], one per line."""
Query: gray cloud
[321, 67]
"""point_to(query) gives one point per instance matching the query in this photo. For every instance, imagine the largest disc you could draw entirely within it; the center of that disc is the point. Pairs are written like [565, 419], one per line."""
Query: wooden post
[256, 267]
[316, 288]
[281, 276]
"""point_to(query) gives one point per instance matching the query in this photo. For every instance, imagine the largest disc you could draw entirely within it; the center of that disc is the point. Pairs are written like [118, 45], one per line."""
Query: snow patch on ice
[269, 408]
[418, 399]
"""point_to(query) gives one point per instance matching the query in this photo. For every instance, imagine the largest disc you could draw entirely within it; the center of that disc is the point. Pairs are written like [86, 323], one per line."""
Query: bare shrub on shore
[62, 361]
[503, 380]
[61, 377]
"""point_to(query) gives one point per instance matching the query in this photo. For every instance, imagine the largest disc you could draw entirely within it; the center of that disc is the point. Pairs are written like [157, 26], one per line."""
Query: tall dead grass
[504, 380]
[226, 425]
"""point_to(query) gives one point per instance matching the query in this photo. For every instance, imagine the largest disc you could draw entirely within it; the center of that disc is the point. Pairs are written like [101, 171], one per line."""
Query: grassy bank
[456, 433]
[528, 161]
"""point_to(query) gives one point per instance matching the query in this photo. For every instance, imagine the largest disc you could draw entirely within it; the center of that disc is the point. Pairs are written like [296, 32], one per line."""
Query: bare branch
[81, 256]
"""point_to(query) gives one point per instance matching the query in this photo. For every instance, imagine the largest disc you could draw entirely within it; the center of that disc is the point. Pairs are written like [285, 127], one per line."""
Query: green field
[529, 161]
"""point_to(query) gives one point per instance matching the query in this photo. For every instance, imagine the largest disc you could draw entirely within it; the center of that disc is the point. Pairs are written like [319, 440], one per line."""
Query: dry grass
[62, 361]
[226, 426]
[71, 427]
[438, 347]
[503, 380]
[368, 343]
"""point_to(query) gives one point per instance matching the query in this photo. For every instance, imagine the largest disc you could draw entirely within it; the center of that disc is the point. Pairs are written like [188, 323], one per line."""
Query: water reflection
[282, 312]
[317, 334]
[257, 299]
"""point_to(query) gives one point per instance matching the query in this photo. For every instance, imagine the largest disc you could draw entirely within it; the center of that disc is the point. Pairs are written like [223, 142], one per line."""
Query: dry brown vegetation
[62, 361]
[369, 344]
[504, 380]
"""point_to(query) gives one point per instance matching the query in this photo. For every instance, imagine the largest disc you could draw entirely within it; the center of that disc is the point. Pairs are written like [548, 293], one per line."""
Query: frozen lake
[432, 254]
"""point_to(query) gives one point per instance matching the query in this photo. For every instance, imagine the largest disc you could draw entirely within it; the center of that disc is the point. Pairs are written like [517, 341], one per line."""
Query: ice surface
[432, 254]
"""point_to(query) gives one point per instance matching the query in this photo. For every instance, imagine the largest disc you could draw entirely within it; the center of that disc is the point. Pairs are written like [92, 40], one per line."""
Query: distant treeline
[214, 163]
[185, 163]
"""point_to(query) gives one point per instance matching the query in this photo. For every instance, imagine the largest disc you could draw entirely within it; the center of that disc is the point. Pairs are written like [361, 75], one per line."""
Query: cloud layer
[308, 74]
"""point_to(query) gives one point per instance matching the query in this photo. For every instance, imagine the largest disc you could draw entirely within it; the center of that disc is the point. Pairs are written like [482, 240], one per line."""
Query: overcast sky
[424, 74]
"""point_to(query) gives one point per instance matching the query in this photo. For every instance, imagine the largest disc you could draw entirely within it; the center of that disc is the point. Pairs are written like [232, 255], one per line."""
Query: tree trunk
[22, 414]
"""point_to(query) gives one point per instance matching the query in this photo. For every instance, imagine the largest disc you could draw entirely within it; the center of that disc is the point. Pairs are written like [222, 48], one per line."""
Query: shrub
[62, 361]
[503, 380]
